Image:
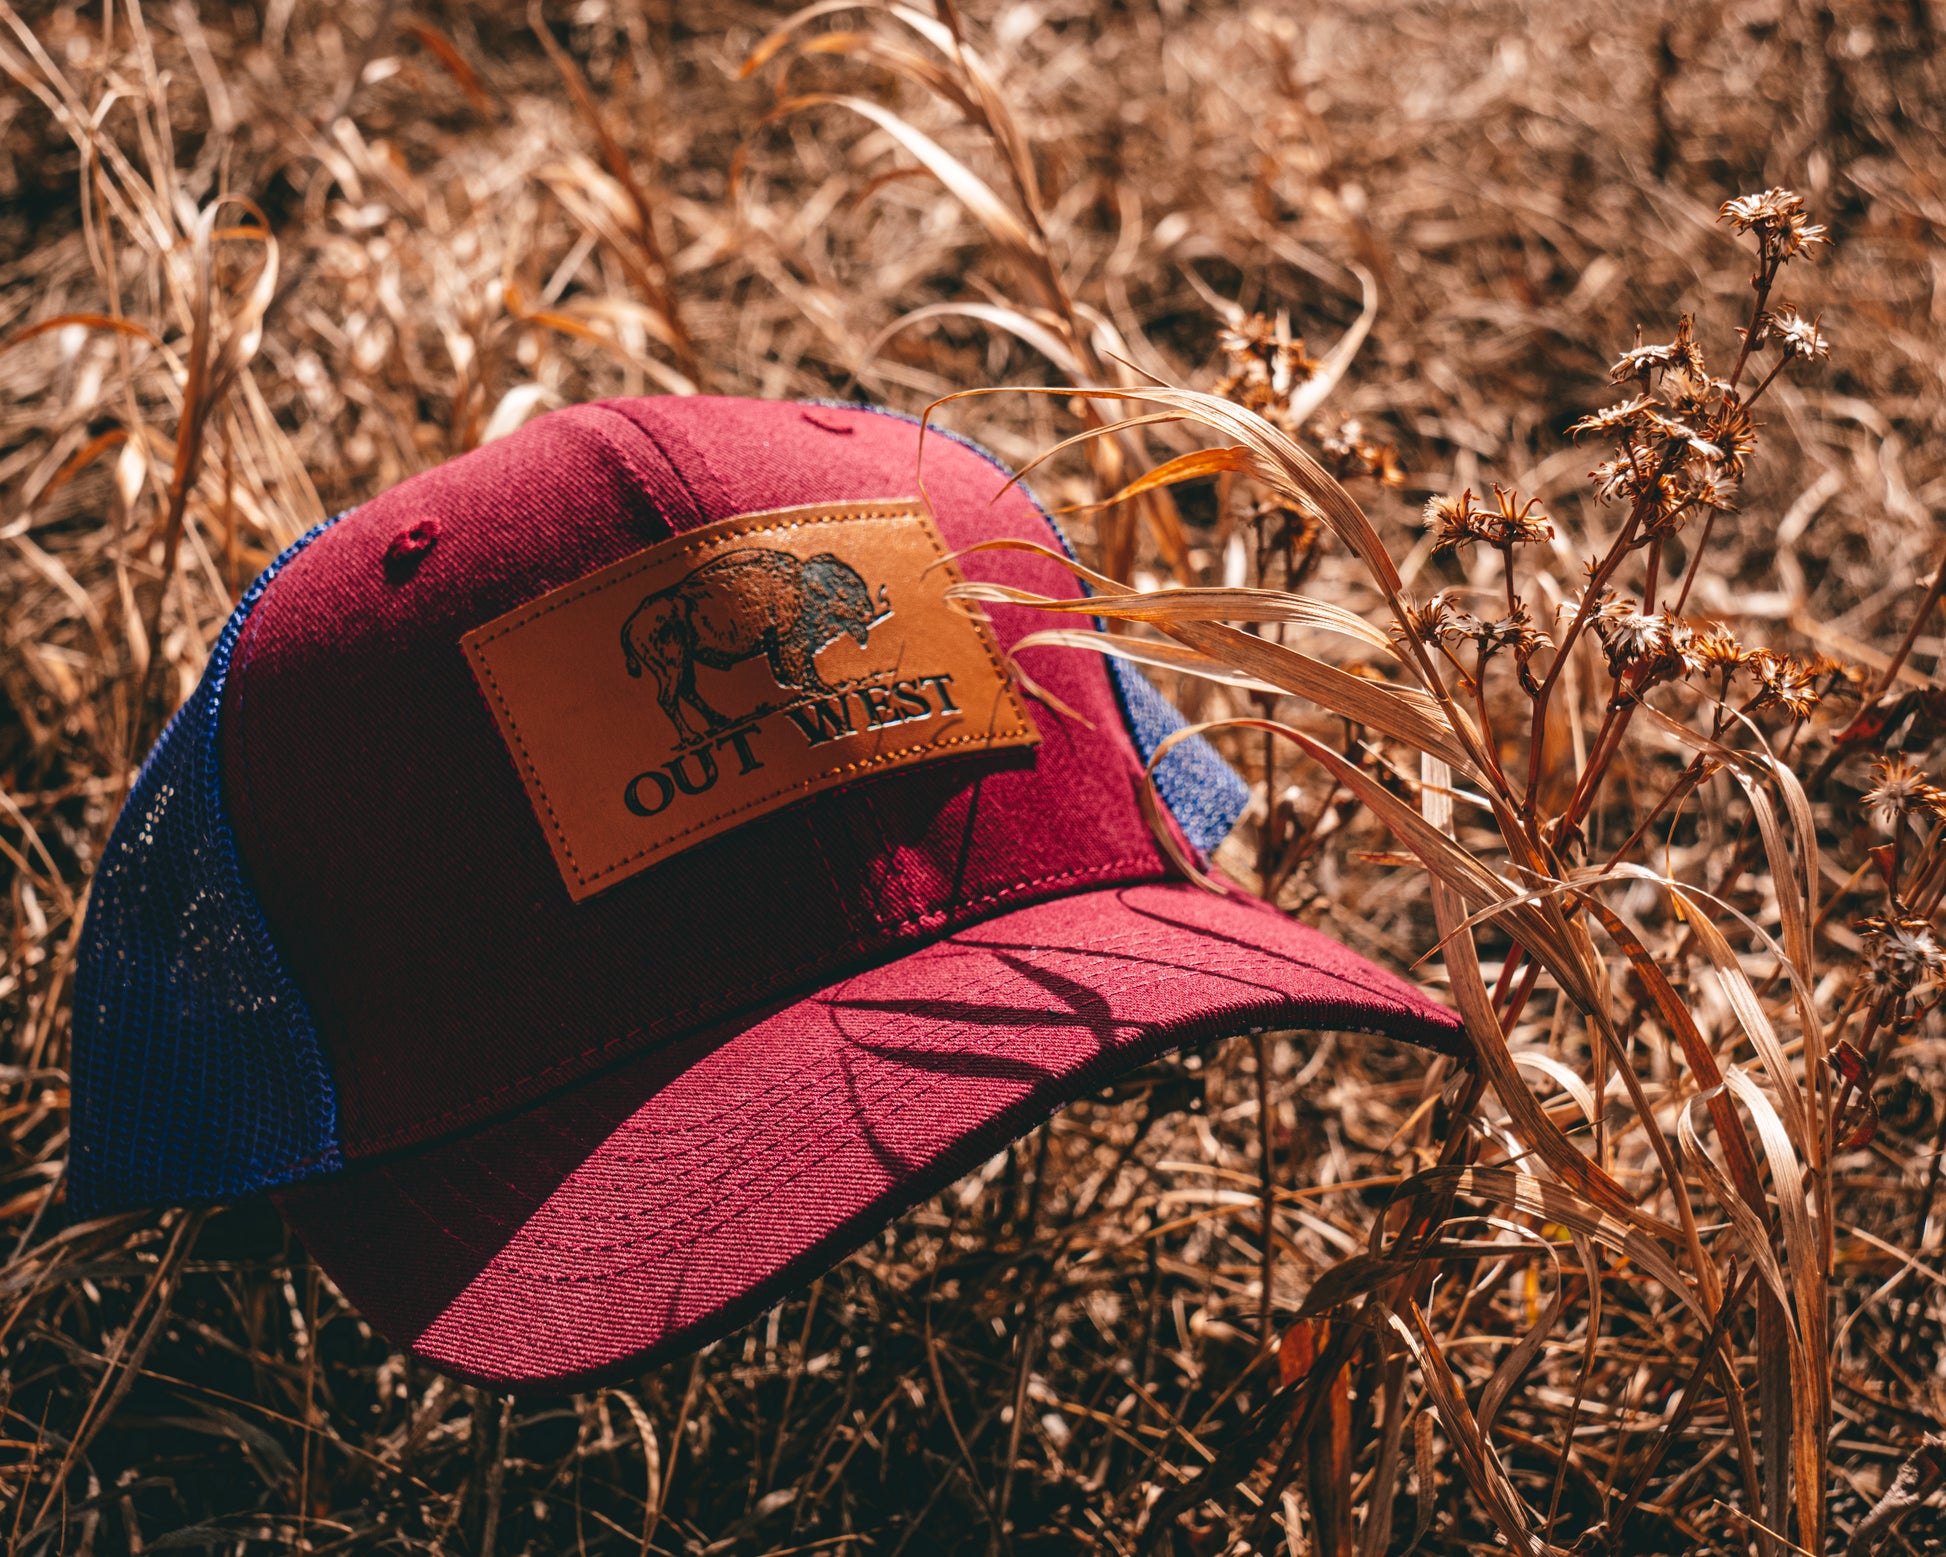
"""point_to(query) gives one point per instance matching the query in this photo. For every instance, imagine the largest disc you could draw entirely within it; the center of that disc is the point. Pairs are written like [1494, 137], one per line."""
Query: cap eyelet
[409, 548]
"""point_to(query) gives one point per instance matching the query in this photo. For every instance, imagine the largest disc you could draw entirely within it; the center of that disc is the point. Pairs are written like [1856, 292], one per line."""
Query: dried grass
[1661, 1272]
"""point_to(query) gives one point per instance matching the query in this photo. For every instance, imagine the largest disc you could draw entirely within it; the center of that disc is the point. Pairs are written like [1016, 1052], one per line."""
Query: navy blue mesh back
[1204, 793]
[197, 1069]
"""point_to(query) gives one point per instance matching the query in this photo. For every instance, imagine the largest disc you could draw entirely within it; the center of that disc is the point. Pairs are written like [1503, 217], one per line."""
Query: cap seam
[677, 468]
[244, 823]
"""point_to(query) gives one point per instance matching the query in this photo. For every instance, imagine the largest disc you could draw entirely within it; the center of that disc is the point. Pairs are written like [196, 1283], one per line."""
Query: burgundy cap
[673, 888]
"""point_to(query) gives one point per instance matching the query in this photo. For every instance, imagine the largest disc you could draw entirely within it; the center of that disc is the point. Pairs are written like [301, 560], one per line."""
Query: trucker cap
[600, 882]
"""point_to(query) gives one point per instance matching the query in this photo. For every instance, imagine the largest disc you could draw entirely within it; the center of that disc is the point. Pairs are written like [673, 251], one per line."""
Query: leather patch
[727, 672]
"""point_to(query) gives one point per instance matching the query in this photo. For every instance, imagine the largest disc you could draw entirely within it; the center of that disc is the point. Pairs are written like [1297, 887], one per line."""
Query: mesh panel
[197, 1069]
[1204, 793]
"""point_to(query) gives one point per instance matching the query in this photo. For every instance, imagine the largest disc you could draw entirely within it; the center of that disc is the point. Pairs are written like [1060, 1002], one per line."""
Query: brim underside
[652, 1208]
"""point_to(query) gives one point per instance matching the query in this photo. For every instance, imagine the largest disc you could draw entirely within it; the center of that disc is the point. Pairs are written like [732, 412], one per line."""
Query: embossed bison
[737, 606]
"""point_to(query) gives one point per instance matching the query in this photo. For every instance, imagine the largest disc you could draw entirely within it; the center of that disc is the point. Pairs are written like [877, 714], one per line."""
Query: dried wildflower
[1351, 451]
[1614, 478]
[1705, 491]
[1439, 623]
[1716, 648]
[1735, 437]
[1633, 636]
[1460, 521]
[1452, 519]
[1837, 673]
[1266, 365]
[1675, 429]
[1777, 217]
[1639, 473]
[1901, 954]
[1431, 624]
[1682, 645]
[1784, 682]
[1679, 451]
[1774, 205]
[1629, 413]
[1795, 335]
[1695, 399]
[1901, 791]
[1679, 355]
[1513, 631]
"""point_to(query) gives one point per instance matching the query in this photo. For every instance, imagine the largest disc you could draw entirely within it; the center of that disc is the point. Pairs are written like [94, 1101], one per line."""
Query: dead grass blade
[657, 274]
[960, 181]
[1477, 1460]
[1810, 1408]
[1513, 1367]
[672, 381]
[1178, 604]
[1197, 465]
[85, 321]
[1326, 377]
[1628, 1233]
[1143, 651]
[1043, 338]
[1919, 1477]
[1402, 712]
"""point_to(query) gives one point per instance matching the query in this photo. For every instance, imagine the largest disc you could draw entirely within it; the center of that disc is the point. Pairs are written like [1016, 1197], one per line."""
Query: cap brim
[662, 1203]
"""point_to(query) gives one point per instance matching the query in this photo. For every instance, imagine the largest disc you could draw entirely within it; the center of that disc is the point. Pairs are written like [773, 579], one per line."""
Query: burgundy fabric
[405, 878]
[674, 1197]
[584, 1135]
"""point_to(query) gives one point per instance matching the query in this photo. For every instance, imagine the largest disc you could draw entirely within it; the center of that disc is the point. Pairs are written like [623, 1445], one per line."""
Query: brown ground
[1044, 1359]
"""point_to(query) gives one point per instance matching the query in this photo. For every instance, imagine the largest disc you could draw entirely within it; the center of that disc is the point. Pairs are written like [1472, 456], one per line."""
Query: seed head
[1628, 413]
[1675, 429]
[1796, 336]
[1901, 791]
[1680, 355]
[1266, 365]
[1705, 491]
[1614, 478]
[1777, 217]
[1735, 437]
[1352, 451]
[1784, 682]
[1460, 521]
[1716, 648]
[1901, 954]
[1513, 631]
[1637, 473]
[1635, 637]
[1431, 623]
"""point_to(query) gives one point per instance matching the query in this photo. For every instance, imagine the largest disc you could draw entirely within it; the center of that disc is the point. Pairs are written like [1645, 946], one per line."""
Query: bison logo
[737, 606]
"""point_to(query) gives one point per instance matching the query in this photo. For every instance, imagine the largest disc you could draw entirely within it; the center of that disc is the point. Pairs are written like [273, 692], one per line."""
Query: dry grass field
[1584, 651]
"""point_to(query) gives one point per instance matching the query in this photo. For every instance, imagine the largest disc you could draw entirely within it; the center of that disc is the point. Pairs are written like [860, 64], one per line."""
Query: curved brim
[659, 1205]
